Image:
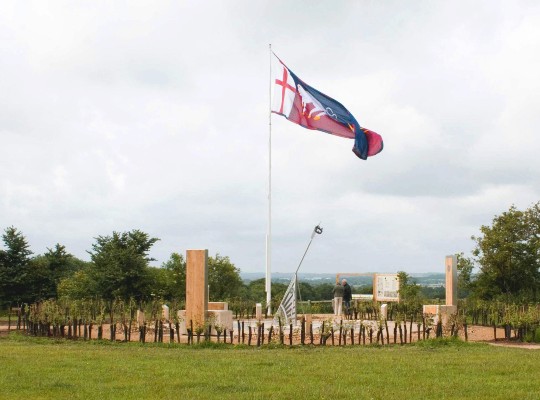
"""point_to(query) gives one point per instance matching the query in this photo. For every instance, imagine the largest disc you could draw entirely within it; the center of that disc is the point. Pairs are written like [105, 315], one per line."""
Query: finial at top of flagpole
[317, 230]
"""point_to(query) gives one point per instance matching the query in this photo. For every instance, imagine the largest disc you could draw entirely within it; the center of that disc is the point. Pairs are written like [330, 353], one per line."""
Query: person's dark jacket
[347, 292]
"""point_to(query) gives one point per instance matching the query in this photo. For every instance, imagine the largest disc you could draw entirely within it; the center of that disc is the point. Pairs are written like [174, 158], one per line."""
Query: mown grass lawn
[45, 369]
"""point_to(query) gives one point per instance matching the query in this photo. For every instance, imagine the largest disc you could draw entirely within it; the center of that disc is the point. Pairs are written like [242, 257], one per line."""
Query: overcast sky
[154, 116]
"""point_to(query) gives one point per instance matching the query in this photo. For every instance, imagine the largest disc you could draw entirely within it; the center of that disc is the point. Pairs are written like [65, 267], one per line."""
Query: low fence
[116, 320]
[250, 333]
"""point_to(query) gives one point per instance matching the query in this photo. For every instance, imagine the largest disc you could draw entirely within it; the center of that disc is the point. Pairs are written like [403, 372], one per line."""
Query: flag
[287, 308]
[307, 107]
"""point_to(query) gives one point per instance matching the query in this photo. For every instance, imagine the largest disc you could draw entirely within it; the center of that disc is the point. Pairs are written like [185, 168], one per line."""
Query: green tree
[169, 280]
[256, 290]
[323, 291]
[408, 289]
[15, 271]
[50, 268]
[120, 265]
[175, 267]
[39, 283]
[508, 255]
[305, 291]
[78, 286]
[465, 267]
[223, 278]
[61, 263]
[438, 292]
[365, 289]
[158, 283]
[410, 295]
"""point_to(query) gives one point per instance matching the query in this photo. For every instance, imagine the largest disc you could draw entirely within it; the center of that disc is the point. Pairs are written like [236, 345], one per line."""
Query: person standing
[338, 298]
[347, 296]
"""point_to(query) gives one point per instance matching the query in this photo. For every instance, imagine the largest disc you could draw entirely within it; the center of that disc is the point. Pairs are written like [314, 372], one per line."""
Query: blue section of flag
[337, 111]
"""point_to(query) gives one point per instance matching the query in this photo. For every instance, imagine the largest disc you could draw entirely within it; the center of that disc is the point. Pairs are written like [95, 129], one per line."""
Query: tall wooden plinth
[437, 311]
[196, 287]
[451, 280]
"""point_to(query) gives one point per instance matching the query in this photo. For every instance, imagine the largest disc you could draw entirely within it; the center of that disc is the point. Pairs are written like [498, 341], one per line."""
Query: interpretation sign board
[385, 287]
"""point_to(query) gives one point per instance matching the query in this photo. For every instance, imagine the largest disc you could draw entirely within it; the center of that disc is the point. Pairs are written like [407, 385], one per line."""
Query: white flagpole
[268, 281]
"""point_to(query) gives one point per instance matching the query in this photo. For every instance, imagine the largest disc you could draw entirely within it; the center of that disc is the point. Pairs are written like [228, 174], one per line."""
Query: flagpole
[268, 281]
[316, 230]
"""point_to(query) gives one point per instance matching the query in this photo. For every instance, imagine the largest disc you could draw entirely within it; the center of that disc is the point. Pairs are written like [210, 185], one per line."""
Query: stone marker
[309, 320]
[444, 312]
[165, 312]
[258, 311]
[218, 305]
[221, 318]
[140, 318]
[451, 280]
[196, 287]
[384, 311]
[181, 314]
[435, 311]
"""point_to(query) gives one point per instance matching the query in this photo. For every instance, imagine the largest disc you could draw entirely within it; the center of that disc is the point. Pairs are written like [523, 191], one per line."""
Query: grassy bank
[44, 369]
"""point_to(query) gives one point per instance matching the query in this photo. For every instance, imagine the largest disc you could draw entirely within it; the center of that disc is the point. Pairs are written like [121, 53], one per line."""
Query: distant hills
[424, 279]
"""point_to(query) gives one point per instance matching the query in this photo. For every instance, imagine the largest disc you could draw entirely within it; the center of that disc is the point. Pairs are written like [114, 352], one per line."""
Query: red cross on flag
[307, 107]
[284, 90]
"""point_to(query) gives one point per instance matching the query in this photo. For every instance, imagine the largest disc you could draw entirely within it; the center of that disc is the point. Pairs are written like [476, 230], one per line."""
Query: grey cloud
[154, 116]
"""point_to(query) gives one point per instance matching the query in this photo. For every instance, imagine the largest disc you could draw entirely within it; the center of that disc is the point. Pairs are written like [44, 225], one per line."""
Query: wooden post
[238, 325]
[405, 330]
[290, 334]
[303, 330]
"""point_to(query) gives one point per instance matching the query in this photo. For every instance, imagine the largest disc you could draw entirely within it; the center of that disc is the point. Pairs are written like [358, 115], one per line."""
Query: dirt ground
[475, 333]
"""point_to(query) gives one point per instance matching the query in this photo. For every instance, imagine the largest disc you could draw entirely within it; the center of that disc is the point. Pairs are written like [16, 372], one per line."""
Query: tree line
[504, 266]
[119, 268]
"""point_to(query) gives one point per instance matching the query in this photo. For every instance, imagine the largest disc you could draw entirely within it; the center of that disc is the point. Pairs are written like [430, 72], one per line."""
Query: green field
[33, 368]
